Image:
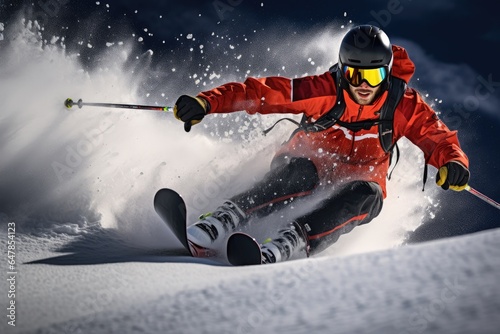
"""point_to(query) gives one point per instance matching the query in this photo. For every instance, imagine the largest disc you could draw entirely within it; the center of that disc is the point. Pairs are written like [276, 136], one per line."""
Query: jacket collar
[369, 110]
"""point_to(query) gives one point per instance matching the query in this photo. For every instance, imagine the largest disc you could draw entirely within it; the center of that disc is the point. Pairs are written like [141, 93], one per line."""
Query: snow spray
[63, 171]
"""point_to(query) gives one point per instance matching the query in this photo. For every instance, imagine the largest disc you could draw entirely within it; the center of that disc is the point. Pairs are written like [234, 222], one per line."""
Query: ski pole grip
[68, 103]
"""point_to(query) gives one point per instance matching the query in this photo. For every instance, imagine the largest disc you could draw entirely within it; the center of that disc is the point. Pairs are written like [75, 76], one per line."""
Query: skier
[353, 116]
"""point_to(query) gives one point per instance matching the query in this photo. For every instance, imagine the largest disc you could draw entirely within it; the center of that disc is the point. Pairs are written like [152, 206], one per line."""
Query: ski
[243, 250]
[172, 210]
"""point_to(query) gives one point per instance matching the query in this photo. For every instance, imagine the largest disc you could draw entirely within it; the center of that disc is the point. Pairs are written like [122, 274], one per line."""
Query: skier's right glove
[190, 110]
[453, 175]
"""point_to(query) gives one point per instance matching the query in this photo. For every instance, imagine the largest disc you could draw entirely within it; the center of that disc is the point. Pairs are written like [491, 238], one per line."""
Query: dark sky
[460, 33]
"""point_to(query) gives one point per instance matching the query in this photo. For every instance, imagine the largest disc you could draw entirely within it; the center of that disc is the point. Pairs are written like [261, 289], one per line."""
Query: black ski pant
[338, 210]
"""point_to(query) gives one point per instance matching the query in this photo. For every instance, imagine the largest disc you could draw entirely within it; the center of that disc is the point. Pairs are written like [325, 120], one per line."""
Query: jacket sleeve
[310, 95]
[420, 124]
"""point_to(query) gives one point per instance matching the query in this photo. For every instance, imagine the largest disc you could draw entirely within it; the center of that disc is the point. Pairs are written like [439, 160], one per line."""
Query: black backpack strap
[397, 89]
[266, 131]
[331, 117]
[424, 178]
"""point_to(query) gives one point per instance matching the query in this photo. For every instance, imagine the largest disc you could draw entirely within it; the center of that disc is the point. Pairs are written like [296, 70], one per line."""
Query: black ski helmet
[366, 46]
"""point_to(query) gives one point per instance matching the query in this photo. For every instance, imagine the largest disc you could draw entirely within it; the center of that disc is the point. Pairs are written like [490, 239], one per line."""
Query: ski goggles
[373, 76]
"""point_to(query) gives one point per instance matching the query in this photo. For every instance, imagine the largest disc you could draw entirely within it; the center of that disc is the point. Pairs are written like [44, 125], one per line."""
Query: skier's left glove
[190, 110]
[453, 175]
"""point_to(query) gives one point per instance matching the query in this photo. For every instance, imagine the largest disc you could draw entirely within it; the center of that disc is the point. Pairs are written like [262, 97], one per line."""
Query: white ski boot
[290, 241]
[214, 226]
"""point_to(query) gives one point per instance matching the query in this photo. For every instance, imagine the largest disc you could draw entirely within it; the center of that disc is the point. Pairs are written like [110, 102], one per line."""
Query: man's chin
[362, 100]
[368, 97]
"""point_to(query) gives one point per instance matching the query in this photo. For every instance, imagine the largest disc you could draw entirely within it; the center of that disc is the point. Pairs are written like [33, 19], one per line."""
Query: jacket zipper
[359, 112]
[354, 133]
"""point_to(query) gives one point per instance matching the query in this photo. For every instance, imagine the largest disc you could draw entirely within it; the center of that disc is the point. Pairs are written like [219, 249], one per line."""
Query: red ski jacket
[339, 154]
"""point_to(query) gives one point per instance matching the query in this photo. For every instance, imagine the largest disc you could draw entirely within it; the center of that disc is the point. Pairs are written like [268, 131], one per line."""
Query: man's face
[364, 94]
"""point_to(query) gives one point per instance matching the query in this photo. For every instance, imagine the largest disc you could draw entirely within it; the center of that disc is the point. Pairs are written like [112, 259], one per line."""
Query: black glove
[190, 110]
[453, 175]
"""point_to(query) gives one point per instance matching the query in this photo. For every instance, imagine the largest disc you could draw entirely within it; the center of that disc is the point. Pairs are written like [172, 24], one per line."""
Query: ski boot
[212, 227]
[291, 240]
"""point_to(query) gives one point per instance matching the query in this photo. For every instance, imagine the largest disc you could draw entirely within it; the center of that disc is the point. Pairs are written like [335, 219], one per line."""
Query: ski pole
[482, 196]
[69, 103]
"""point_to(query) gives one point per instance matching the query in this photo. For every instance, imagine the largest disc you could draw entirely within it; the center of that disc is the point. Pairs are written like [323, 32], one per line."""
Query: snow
[448, 286]
[93, 257]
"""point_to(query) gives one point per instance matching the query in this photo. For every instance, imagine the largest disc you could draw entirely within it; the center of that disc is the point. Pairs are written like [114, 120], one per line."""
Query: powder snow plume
[64, 170]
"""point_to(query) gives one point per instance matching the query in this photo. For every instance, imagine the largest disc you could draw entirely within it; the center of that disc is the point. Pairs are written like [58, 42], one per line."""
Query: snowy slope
[447, 286]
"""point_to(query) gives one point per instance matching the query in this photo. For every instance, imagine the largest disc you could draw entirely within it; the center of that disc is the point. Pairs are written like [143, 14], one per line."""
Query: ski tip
[243, 250]
[166, 195]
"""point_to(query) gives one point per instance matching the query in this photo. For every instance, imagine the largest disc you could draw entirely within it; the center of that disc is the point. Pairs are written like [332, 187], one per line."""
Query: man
[353, 116]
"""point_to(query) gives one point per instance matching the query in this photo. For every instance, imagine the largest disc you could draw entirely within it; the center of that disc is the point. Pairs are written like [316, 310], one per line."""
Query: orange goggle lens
[372, 76]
